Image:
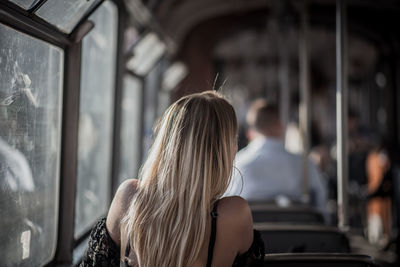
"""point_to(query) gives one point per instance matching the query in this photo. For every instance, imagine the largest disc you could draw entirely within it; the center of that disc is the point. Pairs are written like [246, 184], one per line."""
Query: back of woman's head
[188, 168]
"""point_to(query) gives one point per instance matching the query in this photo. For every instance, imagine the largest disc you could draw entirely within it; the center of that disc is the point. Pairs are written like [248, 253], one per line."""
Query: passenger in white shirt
[267, 169]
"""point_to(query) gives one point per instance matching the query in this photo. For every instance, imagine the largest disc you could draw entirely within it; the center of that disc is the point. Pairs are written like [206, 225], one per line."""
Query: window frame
[83, 18]
[68, 252]
[119, 72]
[114, 129]
[161, 63]
[59, 88]
[117, 147]
[25, 21]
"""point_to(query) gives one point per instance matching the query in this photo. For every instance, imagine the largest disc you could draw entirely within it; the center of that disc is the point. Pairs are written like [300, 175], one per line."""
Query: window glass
[152, 86]
[30, 118]
[96, 118]
[26, 4]
[65, 14]
[164, 101]
[130, 128]
[146, 54]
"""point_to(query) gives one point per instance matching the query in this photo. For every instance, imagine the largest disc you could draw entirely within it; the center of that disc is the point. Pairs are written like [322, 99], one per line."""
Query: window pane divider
[86, 16]
[33, 26]
[117, 106]
[35, 6]
[69, 154]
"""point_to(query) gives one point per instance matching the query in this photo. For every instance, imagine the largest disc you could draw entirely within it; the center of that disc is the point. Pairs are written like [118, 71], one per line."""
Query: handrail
[305, 97]
[341, 114]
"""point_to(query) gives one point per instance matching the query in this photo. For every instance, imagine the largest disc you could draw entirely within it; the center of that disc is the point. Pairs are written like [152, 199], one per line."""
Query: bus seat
[289, 238]
[295, 214]
[318, 259]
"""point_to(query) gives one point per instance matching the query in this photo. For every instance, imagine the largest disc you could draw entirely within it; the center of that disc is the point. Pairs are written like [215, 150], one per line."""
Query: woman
[173, 216]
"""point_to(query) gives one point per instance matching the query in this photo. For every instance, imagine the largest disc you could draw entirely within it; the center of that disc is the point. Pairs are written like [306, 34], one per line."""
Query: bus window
[65, 14]
[30, 130]
[152, 84]
[130, 128]
[96, 118]
[25, 4]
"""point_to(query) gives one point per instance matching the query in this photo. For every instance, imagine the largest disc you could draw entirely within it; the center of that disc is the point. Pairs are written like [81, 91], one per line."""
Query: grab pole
[341, 115]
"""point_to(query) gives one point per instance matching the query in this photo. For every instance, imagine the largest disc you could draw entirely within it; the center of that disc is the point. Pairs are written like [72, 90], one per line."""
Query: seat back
[318, 259]
[296, 214]
[288, 238]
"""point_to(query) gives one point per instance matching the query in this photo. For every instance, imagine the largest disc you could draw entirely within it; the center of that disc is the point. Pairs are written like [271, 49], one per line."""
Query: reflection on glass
[65, 14]
[25, 4]
[96, 118]
[30, 118]
[130, 128]
[146, 54]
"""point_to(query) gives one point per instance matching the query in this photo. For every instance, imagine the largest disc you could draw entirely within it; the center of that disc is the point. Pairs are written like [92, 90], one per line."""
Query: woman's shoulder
[235, 207]
[119, 207]
[232, 203]
[127, 188]
[124, 194]
[235, 221]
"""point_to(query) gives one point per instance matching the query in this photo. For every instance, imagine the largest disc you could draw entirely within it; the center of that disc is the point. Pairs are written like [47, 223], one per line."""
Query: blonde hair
[188, 168]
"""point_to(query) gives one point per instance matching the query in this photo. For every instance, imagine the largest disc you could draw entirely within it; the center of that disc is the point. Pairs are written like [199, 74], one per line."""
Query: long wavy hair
[188, 168]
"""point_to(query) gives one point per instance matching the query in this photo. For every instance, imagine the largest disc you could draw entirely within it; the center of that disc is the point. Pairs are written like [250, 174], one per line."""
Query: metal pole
[283, 33]
[341, 114]
[304, 106]
[284, 78]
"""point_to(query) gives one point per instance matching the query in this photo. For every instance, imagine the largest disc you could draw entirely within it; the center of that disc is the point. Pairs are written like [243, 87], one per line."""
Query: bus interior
[82, 83]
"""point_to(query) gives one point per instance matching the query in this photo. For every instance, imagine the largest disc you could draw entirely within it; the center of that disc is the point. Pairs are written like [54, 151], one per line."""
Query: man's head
[263, 118]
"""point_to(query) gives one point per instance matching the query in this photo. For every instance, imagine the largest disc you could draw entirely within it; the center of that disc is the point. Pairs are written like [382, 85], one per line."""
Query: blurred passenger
[293, 142]
[174, 215]
[268, 170]
[380, 191]
[361, 141]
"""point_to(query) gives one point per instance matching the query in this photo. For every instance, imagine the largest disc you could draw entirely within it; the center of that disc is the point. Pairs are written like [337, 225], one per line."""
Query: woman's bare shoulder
[236, 221]
[234, 204]
[127, 189]
[119, 206]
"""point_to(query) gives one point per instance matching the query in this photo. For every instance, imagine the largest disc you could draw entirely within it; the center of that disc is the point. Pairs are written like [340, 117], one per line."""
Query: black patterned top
[102, 251]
